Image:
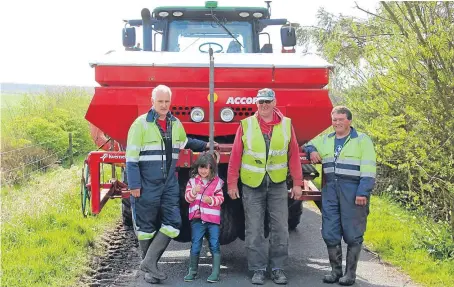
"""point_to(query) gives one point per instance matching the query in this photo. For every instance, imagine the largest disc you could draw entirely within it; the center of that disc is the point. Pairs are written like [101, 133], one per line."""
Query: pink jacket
[198, 208]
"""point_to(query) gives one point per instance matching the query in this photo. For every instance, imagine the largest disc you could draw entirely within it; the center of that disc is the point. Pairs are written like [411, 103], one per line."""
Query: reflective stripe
[255, 154]
[252, 168]
[348, 172]
[132, 159]
[276, 166]
[328, 160]
[184, 144]
[169, 231]
[368, 174]
[175, 155]
[328, 169]
[132, 147]
[349, 161]
[368, 162]
[205, 210]
[145, 235]
[150, 147]
[249, 133]
[144, 123]
[176, 146]
[278, 152]
[152, 158]
[284, 131]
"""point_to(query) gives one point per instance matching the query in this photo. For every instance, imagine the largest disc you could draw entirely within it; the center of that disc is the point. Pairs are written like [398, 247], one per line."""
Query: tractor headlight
[197, 115]
[227, 114]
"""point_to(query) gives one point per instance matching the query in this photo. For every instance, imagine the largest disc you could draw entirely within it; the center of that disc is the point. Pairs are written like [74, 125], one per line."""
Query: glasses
[261, 102]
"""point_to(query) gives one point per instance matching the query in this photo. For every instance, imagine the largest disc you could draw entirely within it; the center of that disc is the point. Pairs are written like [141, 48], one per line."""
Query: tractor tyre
[319, 204]
[185, 229]
[229, 225]
[295, 209]
[126, 214]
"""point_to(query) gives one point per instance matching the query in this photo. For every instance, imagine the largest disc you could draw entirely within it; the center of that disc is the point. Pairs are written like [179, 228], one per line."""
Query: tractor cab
[196, 29]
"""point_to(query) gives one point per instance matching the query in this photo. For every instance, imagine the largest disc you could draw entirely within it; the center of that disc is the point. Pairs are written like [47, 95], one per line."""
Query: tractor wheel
[126, 213]
[185, 229]
[228, 223]
[319, 204]
[295, 209]
[85, 194]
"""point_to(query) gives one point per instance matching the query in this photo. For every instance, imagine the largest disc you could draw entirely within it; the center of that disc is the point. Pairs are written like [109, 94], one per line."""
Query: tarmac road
[307, 265]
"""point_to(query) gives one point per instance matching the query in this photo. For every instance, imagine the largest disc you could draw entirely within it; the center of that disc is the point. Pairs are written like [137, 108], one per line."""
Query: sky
[52, 42]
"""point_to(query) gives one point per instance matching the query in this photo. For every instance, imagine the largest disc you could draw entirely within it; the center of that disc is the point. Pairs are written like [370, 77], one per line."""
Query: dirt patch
[118, 264]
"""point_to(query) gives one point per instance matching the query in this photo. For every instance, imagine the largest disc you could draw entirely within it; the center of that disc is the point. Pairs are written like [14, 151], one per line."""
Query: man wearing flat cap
[264, 151]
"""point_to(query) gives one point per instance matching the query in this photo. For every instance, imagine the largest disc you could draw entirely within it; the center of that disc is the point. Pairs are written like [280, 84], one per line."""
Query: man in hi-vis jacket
[349, 164]
[153, 147]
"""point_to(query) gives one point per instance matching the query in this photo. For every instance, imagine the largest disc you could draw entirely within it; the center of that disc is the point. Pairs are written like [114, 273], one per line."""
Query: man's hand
[207, 199]
[296, 192]
[135, 192]
[315, 157]
[361, 200]
[215, 145]
[234, 193]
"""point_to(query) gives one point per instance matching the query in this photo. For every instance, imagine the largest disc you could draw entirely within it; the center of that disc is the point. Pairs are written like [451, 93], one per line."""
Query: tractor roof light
[211, 4]
[163, 14]
[177, 13]
[244, 14]
[227, 114]
[197, 115]
[257, 15]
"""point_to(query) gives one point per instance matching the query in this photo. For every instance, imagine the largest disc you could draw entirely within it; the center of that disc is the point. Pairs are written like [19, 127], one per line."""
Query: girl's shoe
[214, 277]
[193, 269]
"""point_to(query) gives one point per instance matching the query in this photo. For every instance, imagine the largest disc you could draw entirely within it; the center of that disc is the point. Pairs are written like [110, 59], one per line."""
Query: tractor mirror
[288, 36]
[129, 37]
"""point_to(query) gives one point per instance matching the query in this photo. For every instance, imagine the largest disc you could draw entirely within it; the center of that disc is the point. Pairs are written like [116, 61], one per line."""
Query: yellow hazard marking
[215, 96]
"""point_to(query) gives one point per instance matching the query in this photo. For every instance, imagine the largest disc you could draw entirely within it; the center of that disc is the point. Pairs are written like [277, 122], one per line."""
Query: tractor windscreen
[193, 36]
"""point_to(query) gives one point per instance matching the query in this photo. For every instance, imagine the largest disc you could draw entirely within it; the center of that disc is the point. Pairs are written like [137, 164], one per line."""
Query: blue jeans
[199, 229]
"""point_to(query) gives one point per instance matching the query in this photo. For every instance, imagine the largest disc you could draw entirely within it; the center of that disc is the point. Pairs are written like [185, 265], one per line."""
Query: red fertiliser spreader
[211, 94]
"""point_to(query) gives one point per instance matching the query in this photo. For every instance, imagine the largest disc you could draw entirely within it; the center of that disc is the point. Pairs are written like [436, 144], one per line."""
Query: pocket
[150, 138]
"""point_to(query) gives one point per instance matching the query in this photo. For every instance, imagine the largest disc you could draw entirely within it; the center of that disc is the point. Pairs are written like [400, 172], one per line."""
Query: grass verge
[410, 242]
[45, 241]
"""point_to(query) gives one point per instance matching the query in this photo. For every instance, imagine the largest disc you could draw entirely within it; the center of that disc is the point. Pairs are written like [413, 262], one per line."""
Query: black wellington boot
[156, 249]
[353, 252]
[335, 260]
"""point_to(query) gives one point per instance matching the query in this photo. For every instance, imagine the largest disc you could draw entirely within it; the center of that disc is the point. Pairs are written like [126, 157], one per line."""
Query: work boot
[150, 279]
[335, 259]
[353, 252]
[216, 268]
[259, 277]
[278, 276]
[155, 250]
[193, 268]
[144, 244]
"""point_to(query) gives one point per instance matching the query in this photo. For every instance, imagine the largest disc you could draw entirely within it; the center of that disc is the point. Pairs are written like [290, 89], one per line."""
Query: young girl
[204, 195]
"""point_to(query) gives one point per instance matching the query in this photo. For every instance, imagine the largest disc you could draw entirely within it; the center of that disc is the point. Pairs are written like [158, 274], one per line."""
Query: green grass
[410, 242]
[45, 240]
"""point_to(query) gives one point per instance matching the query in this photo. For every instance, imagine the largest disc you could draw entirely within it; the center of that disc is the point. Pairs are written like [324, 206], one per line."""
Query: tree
[395, 69]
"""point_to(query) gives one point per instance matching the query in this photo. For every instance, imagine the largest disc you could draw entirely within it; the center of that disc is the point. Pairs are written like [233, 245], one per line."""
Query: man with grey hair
[154, 143]
[348, 161]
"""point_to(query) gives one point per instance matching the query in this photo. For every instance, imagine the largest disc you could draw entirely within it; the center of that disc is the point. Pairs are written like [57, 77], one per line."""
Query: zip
[345, 143]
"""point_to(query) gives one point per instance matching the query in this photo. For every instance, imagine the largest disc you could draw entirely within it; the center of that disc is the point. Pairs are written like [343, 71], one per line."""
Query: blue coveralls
[351, 174]
[151, 157]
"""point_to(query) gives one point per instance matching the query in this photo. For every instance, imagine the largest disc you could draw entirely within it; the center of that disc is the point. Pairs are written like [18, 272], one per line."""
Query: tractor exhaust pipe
[211, 87]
